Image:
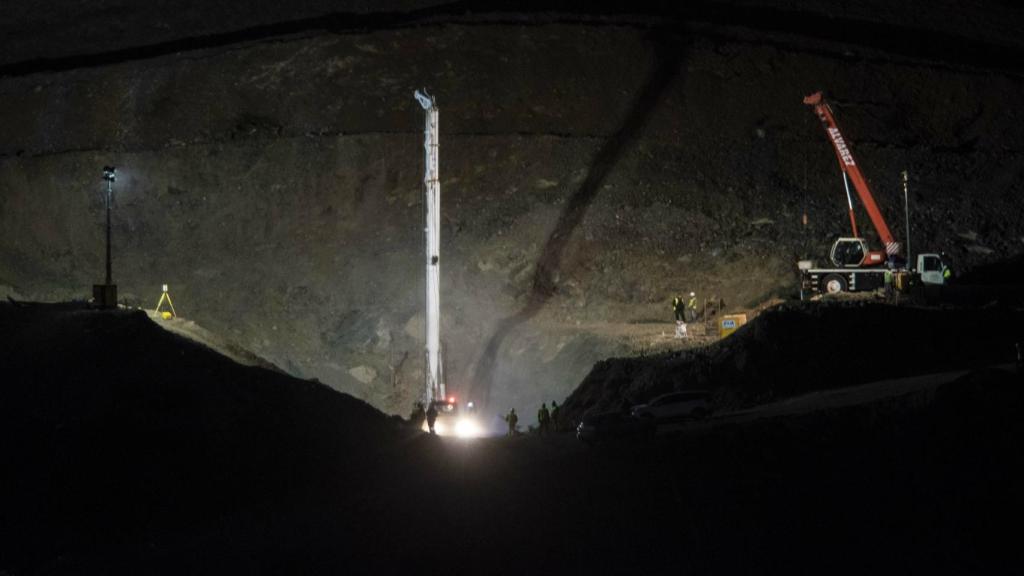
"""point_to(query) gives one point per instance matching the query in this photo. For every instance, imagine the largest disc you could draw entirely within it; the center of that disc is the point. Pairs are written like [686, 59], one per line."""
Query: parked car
[601, 426]
[675, 406]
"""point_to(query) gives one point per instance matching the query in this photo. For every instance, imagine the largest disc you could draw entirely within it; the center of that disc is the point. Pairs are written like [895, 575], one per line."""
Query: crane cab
[854, 253]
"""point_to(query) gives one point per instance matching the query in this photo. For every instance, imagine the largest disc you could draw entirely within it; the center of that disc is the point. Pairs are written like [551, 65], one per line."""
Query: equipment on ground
[855, 267]
[730, 323]
[681, 330]
[166, 297]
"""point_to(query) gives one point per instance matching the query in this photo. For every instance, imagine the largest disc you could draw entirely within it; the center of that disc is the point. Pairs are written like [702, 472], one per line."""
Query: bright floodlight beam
[105, 295]
[435, 388]
[468, 427]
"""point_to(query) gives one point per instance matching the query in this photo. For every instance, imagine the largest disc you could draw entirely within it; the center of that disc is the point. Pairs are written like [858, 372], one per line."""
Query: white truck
[930, 270]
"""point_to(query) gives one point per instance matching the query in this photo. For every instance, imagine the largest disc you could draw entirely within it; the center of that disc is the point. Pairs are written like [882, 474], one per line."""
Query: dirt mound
[1004, 272]
[189, 329]
[122, 354]
[132, 450]
[796, 348]
[894, 486]
[125, 434]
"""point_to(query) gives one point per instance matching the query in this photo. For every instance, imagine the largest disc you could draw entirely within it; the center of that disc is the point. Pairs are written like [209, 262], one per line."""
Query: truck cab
[931, 269]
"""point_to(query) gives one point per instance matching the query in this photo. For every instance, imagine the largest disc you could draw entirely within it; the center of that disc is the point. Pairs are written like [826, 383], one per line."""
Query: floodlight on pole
[109, 176]
[105, 294]
[906, 215]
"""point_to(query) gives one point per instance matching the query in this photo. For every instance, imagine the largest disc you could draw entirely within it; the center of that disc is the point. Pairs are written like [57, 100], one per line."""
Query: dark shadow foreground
[128, 450]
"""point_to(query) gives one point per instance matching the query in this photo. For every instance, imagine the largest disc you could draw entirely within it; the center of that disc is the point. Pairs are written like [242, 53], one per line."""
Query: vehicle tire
[833, 284]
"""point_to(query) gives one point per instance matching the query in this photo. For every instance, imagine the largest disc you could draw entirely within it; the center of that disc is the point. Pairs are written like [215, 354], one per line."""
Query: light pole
[906, 215]
[105, 295]
[109, 175]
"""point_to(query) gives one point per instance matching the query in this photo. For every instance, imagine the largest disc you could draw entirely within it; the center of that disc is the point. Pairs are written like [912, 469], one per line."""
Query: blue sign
[730, 323]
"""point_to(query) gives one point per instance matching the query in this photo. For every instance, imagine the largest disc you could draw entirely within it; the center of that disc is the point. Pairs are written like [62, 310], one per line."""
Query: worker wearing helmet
[691, 308]
[947, 270]
[679, 308]
[431, 417]
[543, 418]
[512, 420]
[418, 414]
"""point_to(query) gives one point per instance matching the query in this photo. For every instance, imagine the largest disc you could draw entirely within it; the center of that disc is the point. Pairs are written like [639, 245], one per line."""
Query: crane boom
[851, 172]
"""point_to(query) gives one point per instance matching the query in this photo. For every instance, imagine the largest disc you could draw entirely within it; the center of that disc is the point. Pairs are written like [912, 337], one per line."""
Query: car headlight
[467, 428]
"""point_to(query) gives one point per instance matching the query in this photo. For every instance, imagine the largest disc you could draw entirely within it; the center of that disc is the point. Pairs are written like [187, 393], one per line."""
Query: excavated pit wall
[275, 186]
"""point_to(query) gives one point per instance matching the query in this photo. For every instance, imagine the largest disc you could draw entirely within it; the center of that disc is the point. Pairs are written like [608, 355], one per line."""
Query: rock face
[589, 172]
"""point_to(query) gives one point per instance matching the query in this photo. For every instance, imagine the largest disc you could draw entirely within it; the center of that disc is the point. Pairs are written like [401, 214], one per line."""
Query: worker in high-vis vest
[679, 308]
[512, 420]
[691, 308]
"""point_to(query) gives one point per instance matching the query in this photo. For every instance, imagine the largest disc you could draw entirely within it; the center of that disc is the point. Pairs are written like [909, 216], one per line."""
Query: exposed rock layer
[589, 172]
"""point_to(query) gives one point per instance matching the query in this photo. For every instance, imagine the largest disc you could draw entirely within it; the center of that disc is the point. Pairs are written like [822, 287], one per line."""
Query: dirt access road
[905, 391]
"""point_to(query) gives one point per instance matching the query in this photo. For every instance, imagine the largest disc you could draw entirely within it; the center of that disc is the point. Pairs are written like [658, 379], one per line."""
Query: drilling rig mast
[435, 387]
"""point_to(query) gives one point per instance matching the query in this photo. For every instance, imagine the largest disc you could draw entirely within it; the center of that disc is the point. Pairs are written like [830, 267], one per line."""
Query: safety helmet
[692, 294]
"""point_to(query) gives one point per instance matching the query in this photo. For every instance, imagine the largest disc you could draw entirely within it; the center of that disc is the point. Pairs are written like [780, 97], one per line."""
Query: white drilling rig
[435, 385]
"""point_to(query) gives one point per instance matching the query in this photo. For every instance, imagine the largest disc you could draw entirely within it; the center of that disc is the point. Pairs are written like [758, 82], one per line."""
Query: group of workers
[419, 414]
[685, 311]
[547, 420]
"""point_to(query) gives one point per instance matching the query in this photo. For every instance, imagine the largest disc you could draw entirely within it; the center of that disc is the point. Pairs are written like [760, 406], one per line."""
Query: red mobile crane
[856, 267]
[856, 246]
